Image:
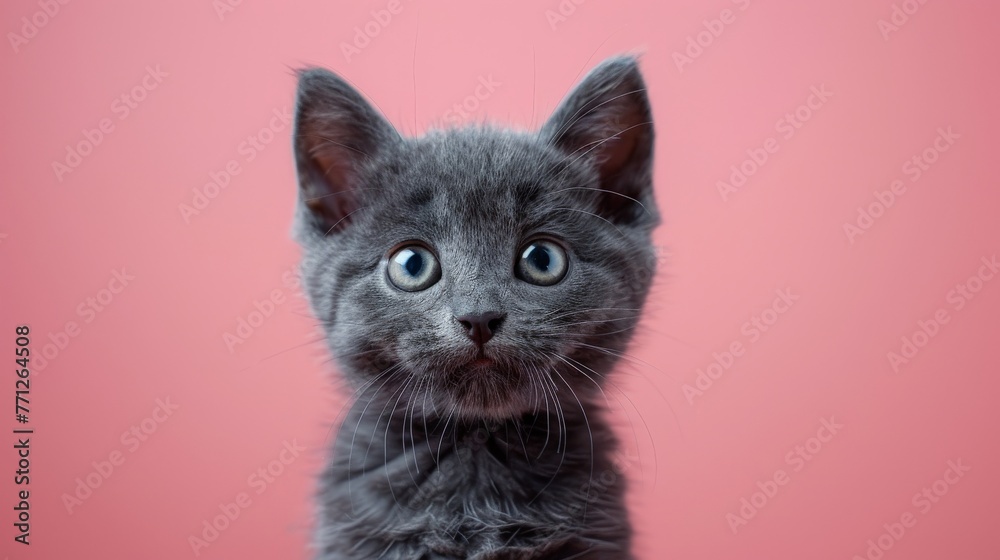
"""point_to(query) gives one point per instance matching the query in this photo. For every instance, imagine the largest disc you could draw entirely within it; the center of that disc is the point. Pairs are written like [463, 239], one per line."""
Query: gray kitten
[476, 286]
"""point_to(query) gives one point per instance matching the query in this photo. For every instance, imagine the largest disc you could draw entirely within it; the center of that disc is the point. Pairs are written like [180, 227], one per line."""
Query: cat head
[483, 272]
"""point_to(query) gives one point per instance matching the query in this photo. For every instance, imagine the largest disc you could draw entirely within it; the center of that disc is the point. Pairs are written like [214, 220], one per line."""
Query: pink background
[162, 336]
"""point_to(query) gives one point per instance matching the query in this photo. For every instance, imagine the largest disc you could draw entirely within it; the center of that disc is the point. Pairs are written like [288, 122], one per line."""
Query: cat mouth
[482, 361]
[483, 388]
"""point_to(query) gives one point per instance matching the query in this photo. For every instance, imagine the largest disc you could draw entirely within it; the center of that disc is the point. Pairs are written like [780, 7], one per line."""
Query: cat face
[477, 272]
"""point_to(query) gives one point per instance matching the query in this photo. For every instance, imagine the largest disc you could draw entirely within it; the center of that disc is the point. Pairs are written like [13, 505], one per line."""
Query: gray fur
[436, 459]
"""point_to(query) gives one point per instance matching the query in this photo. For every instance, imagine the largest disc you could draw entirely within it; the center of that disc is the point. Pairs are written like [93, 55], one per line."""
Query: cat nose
[482, 326]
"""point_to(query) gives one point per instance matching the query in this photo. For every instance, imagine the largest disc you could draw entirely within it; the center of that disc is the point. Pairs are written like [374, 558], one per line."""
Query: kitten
[476, 286]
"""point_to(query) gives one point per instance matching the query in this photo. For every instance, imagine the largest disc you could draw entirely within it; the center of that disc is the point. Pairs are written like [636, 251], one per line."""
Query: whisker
[276, 354]
[394, 369]
[385, 440]
[635, 436]
[590, 433]
[444, 431]
[348, 215]
[577, 117]
[602, 218]
[562, 428]
[643, 206]
[327, 140]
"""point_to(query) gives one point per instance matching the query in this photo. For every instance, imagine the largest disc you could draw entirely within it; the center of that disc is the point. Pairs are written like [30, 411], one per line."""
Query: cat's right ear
[337, 132]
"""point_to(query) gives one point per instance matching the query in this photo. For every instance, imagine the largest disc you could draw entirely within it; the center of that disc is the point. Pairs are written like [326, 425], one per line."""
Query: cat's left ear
[607, 121]
[337, 132]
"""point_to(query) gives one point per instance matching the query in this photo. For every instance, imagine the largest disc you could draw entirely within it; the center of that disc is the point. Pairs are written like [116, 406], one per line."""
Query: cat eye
[542, 262]
[413, 268]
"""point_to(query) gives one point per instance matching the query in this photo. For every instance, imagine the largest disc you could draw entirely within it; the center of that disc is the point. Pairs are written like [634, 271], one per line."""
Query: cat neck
[539, 441]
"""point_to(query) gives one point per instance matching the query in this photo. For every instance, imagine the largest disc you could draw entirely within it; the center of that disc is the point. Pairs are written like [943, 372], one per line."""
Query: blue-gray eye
[413, 268]
[542, 263]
